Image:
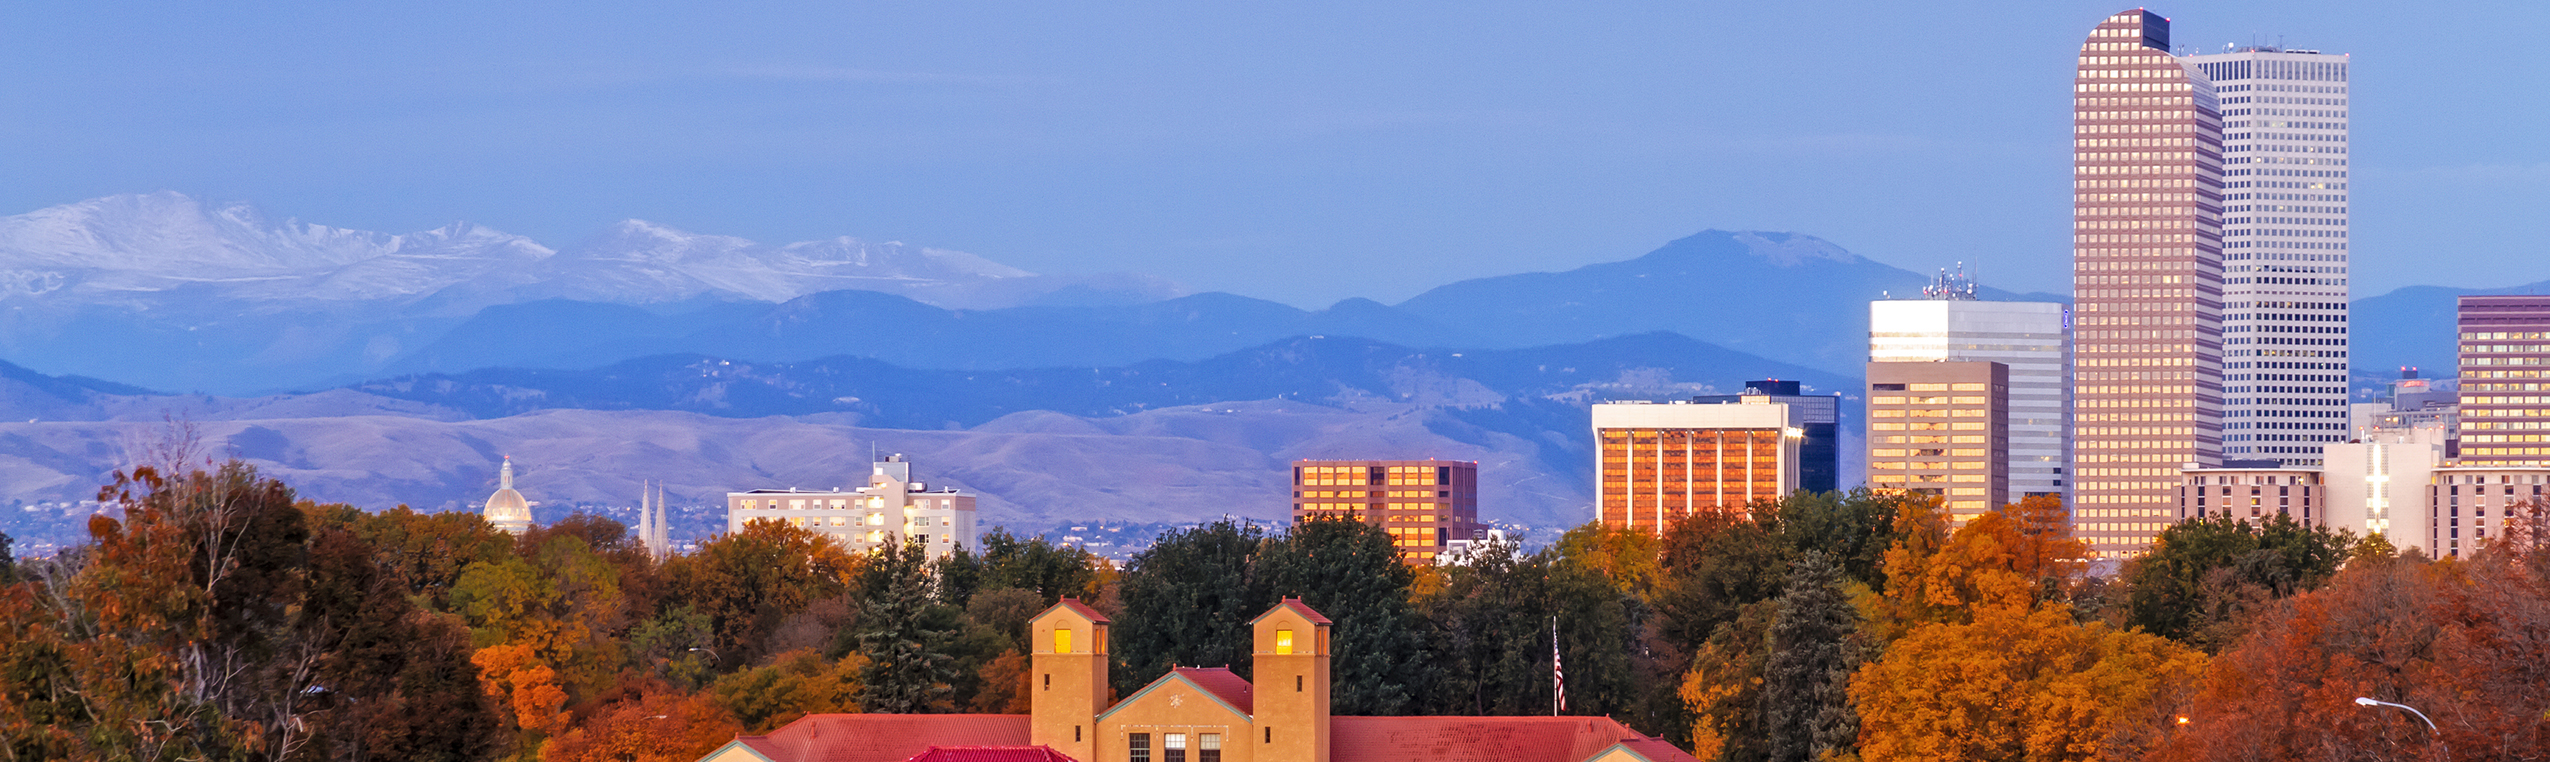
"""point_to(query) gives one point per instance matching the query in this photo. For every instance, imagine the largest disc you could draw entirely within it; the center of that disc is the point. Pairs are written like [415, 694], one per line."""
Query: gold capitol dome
[506, 509]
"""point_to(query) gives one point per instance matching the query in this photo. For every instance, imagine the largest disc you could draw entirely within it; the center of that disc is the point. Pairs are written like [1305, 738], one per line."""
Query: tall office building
[1425, 505]
[1819, 455]
[2505, 380]
[1943, 429]
[2027, 336]
[1659, 462]
[2284, 250]
[2147, 280]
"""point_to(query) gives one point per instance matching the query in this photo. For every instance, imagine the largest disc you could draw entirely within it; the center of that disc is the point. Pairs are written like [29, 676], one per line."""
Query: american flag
[1557, 674]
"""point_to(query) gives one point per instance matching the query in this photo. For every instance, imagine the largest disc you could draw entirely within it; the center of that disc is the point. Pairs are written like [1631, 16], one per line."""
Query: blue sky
[1303, 152]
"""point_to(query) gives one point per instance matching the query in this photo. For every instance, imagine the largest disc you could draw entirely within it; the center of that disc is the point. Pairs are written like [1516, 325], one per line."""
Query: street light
[2430, 724]
[712, 654]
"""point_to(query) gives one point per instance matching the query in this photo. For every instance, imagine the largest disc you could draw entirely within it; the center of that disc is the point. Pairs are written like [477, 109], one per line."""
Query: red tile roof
[990, 754]
[1224, 685]
[1296, 605]
[884, 737]
[1076, 607]
[1486, 739]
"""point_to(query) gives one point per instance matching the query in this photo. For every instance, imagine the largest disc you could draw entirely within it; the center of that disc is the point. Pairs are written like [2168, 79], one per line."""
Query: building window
[1208, 747]
[1062, 640]
[1173, 747]
[1283, 642]
[1137, 747]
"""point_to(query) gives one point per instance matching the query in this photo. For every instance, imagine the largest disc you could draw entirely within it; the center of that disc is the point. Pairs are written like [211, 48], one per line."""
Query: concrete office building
[2377, 482]
[1819, 453]
[1425, 505]
[2147, 278]
[2029, 337]
[1657, 462]
[2505, 381]
[1941, 428]
[2284, 250]
[2247, 494]
[888, 509]
[2467, 505]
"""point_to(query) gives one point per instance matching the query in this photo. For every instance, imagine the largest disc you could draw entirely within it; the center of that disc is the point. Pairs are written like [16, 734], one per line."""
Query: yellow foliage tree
[2014, 685]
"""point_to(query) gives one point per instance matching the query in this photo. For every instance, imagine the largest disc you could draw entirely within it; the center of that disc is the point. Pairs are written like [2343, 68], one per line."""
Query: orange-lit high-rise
[1425, 504]
[1658, 462]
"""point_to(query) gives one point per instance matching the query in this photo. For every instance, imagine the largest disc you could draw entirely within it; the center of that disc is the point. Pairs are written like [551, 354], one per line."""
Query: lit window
[1173, 747]
[1062, 640]
[1283, 642]
[1208, 747]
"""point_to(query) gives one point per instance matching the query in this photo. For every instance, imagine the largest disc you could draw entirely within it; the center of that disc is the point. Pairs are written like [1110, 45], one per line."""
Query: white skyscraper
[2027, 336]
[2284, 287]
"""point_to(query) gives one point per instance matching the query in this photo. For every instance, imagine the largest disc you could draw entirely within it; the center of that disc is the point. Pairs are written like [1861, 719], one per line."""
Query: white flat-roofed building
[2377, 482]
[1660, 461]
[2029, 337]
[2285, 190]
[891, 507]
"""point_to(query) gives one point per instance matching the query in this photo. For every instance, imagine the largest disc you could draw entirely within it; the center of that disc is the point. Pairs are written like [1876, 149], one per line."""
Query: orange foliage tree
[653, 727]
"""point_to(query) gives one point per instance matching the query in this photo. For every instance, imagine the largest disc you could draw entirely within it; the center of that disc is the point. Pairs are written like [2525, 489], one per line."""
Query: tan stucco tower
[1291, 672]
[1070, 689]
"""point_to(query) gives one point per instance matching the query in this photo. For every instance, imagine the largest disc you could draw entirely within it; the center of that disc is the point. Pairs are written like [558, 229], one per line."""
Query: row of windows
[1961, 400]
[2503, 336]
[1173, 747]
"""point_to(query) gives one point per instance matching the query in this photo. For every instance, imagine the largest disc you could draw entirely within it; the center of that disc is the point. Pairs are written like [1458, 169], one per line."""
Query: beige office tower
[2147, 282]
[2030, 337]
[1941, 429]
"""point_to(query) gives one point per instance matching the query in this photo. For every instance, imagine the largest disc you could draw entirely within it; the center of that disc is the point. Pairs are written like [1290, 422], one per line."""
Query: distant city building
[2505, 380]
[2032, 338]
[2377, 482]
[2249, 491]
[890, 508]
[2147, 277]
[2284, 249]
[1819, 454]
[1425, 505]
[2467, 505]
[2411, 403]
[1656, 462]
[506, 510]
[1941, 428]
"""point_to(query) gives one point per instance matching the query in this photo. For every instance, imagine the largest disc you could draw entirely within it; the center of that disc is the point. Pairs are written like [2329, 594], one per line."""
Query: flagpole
[1557, 677]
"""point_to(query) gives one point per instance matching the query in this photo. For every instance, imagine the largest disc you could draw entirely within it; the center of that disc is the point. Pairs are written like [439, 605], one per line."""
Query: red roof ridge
[1073, 603]
[1296, 605]
[1223, 684]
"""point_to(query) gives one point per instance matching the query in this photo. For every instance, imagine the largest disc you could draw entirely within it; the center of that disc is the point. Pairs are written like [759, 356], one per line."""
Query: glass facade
[2505, 381]
[1943, 429]
[2147, 279]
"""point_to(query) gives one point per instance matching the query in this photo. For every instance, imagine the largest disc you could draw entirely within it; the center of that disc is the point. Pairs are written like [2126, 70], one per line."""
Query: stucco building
[889, 508]
[1195, 714]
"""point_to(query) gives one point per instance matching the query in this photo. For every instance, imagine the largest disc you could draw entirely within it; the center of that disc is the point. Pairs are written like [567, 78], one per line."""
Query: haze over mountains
[717, 363]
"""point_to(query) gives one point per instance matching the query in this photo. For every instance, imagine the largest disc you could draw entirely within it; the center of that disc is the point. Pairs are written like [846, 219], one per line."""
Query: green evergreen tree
[1347, 570]
[905, 633]
[1806, 706]
[2204, 572]
[1187, 601]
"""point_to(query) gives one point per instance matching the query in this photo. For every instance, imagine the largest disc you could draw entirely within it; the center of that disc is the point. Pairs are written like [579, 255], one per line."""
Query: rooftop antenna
[1951, 286]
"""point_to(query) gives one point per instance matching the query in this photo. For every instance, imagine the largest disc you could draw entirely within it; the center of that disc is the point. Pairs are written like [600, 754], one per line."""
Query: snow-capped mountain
[121, 249]
[173, 292]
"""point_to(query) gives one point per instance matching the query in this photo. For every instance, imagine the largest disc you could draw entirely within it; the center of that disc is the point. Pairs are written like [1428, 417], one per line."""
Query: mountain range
[380, 369]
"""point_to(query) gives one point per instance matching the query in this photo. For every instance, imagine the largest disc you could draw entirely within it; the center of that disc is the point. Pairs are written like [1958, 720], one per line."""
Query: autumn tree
[749, 581]
[651, 726]
[793, 685]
